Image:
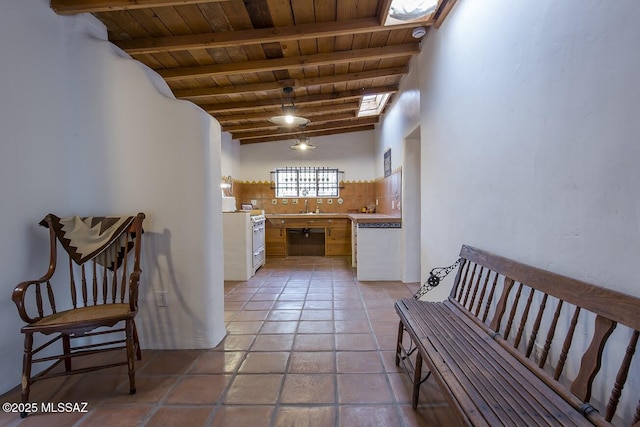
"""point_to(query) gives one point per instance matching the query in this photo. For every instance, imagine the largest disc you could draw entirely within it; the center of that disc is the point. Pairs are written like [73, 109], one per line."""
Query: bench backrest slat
[610, 304]
[562, 317]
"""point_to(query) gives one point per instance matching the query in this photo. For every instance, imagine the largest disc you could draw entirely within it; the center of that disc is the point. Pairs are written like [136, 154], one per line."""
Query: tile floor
[307, 345]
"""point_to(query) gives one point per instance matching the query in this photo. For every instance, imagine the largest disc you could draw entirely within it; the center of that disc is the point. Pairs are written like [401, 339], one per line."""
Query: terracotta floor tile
[198, 389]
[278, 315]
[300, 416]
[349, 314]
[91, 388]
[216, 362]
[316, 314]
[313, 388]
[63, 419]
[429, 416]
[315, 327]
[257, 305]
[318, 305]
[363, 388]
[149, 389]
[369, 416]
[243, 416]
[170, 362]
[285, 327]
[314, 342]
[265, 363]
[279, 342]
[243, 327]
[254, 389]
[358, 362]
[247, 316]
[288, 305]
[312, 362]
[291, 296]
[117, 416]
[352, 326]
[352, 342]
[387, 327]
[236, 343]
[180, 417]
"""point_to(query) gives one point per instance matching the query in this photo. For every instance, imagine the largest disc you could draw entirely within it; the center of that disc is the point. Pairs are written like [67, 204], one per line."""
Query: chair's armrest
[134, 281]
[19, 295]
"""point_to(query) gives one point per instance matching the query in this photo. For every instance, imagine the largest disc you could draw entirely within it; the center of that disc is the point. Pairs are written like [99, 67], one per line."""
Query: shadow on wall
[158, 276]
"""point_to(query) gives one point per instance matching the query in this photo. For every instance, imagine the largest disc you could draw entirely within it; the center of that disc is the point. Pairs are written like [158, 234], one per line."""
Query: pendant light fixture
[288, 116]
[303, 143]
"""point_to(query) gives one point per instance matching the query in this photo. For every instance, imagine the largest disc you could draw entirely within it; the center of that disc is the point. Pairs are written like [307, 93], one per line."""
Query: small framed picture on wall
[387, 162]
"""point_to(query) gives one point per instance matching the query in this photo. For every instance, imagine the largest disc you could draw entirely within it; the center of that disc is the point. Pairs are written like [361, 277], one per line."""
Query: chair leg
[129, 329]
[136, 342]
[26, 370]
[66, 346]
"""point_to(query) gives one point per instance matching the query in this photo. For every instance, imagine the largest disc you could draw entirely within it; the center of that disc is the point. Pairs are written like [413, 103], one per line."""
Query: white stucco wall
[230, 158]
[88, 131]
[529, 128]
[399, 130]
[351, 152]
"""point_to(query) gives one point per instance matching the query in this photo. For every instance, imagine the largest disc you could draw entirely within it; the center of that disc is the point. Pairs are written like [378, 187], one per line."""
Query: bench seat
[489, 386]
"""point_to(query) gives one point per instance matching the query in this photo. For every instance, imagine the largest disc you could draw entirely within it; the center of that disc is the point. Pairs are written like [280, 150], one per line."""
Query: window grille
[306, 182]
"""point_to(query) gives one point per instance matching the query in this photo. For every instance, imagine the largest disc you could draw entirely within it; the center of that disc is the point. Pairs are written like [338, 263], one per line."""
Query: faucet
[306, 206]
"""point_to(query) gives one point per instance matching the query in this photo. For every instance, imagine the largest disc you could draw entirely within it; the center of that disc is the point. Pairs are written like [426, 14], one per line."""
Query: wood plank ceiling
[233, 57]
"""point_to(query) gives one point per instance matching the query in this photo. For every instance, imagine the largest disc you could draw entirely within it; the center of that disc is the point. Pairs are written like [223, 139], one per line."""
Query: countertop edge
[355, 217]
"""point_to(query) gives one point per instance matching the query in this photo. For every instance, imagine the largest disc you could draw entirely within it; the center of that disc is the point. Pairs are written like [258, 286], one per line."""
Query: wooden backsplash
[356, 195]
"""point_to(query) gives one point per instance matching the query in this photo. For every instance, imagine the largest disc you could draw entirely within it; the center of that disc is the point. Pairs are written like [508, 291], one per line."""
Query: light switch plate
[285, 201]
[274, 201]
[329, 201]
[294, 201]
[318, 201]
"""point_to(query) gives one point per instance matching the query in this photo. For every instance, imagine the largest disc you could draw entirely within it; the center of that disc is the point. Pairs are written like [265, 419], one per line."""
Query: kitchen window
[306, 182]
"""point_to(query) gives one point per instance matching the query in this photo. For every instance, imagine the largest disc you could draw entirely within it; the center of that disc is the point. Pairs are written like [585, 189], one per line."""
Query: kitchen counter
[355, 217]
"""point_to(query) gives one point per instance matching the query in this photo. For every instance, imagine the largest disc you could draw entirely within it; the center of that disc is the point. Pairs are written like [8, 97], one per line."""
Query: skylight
[404, 11]
[372, 105]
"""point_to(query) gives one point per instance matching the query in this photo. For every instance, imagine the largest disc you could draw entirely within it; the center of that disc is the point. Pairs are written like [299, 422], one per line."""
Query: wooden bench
[517, 345]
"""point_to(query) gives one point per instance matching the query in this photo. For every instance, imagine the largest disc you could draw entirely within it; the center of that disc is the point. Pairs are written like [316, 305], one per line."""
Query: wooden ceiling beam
[295, 131]
[297, 83]
[230, 90]
[304, 112]
[332, 58]
[310, 134]
[256, 36]
[262, 103]
[73, 7]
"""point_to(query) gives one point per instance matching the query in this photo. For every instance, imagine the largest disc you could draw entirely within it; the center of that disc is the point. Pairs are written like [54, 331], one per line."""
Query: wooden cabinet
[275, 240]
[337, 232]
[338, 238]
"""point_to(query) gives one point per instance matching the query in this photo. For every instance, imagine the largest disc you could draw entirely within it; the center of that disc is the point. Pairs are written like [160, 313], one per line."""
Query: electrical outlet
[161, 298]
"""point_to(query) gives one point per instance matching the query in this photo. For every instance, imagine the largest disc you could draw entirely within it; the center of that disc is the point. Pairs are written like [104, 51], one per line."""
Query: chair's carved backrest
[100, 276]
